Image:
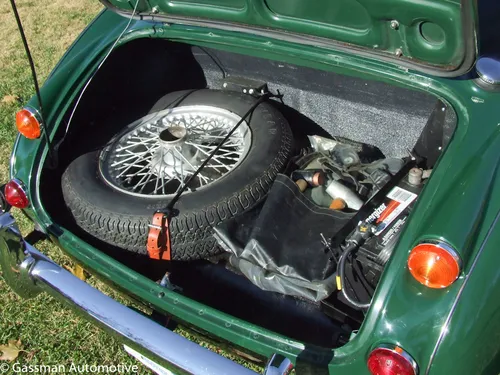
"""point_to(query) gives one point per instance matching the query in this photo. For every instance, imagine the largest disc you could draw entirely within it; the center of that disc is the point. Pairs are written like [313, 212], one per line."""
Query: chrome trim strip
[444, 329]
[12, 160]
[401, 352]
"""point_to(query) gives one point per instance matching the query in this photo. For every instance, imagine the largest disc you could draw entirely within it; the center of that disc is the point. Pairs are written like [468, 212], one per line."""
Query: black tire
[122, 220]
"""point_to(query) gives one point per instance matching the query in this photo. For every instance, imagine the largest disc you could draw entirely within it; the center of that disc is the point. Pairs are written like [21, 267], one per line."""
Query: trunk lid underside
[431, 36]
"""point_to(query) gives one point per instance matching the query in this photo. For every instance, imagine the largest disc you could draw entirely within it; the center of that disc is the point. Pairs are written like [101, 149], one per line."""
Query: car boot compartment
[381, 124]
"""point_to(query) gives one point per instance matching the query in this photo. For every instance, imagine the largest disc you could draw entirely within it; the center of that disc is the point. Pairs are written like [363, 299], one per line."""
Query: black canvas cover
[278, 245]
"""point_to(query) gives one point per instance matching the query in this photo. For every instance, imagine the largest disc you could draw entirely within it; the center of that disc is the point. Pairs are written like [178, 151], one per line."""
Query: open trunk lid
[433, 36]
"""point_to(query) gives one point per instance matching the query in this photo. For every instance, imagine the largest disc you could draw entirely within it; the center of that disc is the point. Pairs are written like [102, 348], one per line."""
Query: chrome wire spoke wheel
[158, 154]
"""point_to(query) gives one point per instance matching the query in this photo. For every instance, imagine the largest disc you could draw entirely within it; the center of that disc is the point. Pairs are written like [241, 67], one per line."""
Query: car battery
[389, 219]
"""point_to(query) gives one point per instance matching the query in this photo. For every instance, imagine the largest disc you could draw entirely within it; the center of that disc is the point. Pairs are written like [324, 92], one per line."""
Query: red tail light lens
[27, 124]
[391, 360]
[15, 194]
[434, 264]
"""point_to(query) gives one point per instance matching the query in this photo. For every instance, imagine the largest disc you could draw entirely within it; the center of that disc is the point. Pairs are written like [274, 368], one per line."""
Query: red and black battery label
[394, 204]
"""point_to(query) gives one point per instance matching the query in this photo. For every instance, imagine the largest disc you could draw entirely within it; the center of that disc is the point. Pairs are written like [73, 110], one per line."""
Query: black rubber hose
[352, 246]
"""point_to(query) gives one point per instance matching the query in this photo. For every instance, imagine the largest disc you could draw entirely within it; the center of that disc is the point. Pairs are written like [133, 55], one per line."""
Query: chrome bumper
[28, 272]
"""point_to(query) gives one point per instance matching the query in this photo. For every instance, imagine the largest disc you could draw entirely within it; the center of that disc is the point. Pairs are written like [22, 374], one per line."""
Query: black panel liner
[278, 245]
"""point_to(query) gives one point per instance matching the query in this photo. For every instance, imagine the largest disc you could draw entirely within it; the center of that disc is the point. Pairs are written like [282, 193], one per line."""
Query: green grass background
[50, 333]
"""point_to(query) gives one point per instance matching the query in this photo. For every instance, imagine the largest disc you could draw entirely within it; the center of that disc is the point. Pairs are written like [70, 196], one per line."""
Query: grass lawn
[50, 333]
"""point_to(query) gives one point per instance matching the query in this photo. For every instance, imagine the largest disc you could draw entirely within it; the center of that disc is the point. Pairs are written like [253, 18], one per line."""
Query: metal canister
[314, 177]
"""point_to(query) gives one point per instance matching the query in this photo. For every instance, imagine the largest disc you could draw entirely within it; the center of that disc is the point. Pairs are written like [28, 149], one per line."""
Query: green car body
[455, 330]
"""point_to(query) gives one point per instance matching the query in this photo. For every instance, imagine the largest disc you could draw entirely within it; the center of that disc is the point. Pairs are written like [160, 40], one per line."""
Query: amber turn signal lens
[27, 124]
[435, 265]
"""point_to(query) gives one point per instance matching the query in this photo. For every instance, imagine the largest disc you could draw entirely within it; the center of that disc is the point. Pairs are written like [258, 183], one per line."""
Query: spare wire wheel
[157, 154]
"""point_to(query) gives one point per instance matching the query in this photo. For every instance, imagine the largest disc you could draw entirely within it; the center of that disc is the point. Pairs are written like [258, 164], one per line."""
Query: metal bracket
[245, 86]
